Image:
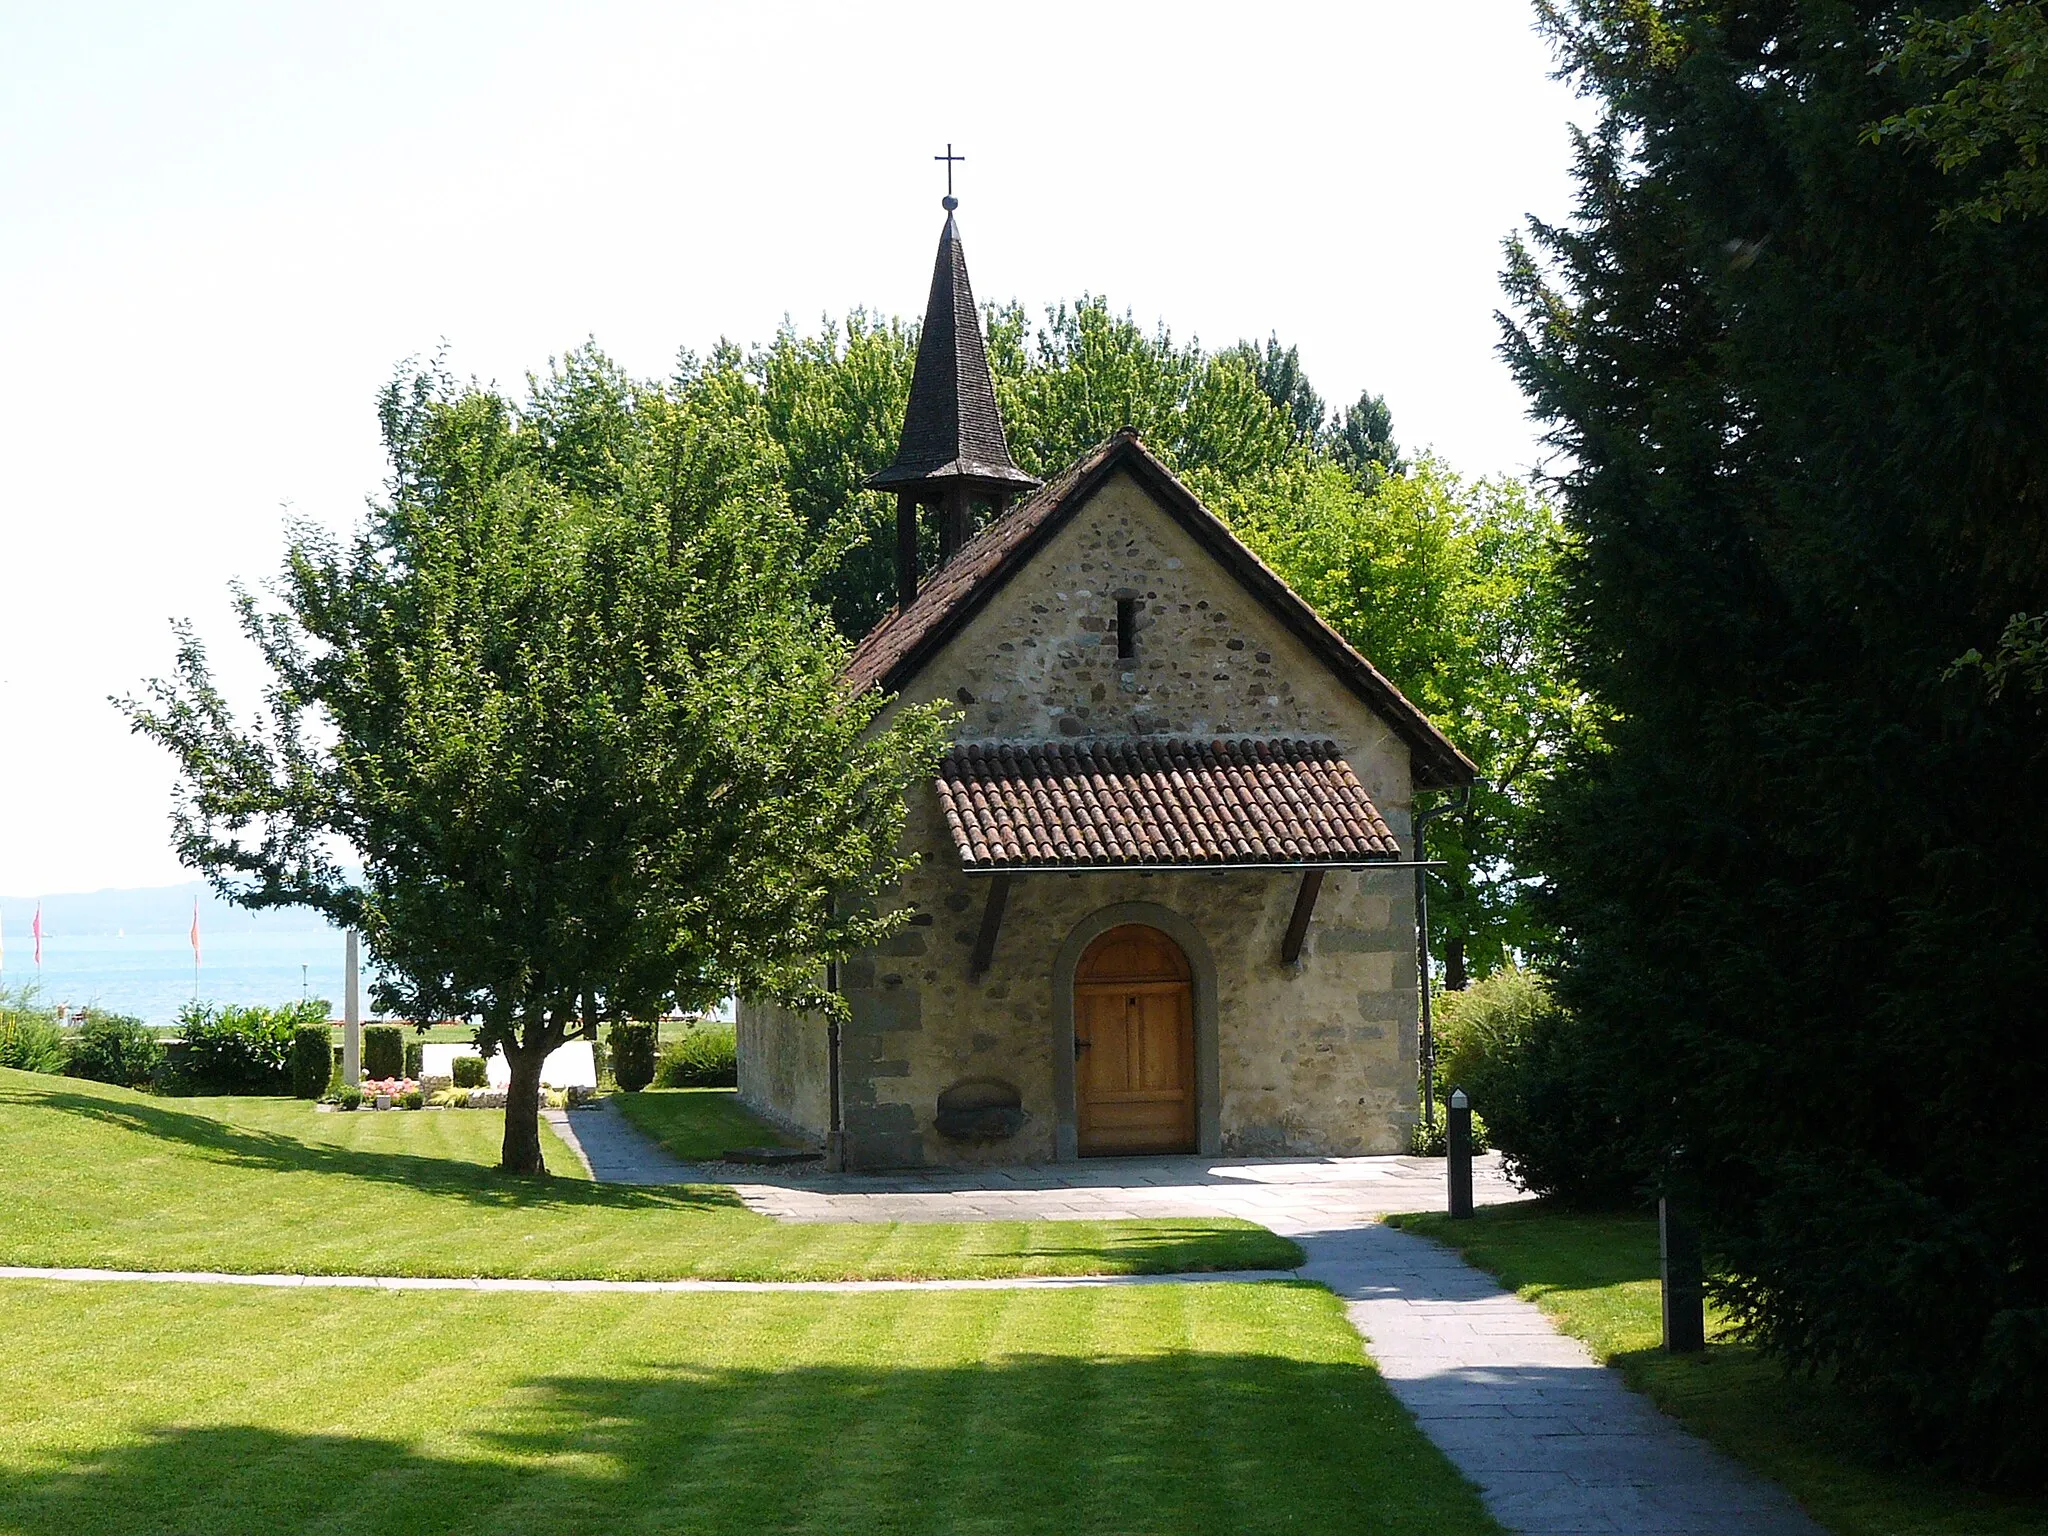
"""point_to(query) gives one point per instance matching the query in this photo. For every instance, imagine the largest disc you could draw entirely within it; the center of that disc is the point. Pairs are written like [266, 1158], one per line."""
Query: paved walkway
[1555, 1442]
[1286, 1194]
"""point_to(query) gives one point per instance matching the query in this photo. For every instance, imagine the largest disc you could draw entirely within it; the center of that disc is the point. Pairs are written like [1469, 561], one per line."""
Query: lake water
[130, 951]
[150, 974]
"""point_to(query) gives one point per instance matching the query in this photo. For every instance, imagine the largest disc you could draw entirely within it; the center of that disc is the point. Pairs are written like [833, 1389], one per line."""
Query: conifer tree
[1804, 878]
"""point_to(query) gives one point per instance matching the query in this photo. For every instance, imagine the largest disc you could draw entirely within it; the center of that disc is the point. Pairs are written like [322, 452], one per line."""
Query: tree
[1988, 124]
[1800, 878]
[559, 729]
[1363, 441]
[1283, 381]
[1451, 588]
[1446, 585]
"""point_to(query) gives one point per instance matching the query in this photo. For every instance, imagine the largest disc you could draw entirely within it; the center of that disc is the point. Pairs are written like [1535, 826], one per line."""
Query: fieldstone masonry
[1313, 1058]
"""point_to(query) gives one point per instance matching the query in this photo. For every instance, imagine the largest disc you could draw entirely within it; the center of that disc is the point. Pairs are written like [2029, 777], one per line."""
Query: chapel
[1164, 897]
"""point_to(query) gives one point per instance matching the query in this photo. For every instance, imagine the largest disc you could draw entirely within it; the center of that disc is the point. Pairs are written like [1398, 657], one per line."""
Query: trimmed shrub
[383, 1051]
[348, 1097]
[415, 1055]
[115, 1048]
[469, 1071]
[705, 1055]
[632, 1055]
[312, 1060]
[236, 1049]
[1522, 1062]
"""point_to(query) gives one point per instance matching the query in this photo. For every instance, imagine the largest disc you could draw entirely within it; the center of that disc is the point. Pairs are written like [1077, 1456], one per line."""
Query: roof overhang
[1156, 804]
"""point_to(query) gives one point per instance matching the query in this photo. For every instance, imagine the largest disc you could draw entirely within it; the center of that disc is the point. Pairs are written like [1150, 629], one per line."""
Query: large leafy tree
[1451, 587]
[1445, 584]
[559, 728]
[1803, 875]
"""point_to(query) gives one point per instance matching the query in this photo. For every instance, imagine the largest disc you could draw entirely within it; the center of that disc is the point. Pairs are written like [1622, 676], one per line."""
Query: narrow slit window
[1126, 628]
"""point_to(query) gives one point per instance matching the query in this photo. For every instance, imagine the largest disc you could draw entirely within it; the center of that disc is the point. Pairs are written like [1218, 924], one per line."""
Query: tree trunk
[1454, 962]
[521, 1153]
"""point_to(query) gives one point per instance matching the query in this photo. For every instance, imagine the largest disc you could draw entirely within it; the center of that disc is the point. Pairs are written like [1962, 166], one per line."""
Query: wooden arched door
[1134, 1045]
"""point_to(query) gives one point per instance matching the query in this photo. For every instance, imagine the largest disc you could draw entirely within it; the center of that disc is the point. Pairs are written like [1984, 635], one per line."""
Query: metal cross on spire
[951, 160]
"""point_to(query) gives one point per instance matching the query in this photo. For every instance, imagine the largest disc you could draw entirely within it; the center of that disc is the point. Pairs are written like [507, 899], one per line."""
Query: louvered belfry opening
[953, 455]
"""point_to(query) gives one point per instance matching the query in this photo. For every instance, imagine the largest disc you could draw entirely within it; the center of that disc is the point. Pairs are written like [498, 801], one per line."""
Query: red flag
[195, 932]
[37, 930]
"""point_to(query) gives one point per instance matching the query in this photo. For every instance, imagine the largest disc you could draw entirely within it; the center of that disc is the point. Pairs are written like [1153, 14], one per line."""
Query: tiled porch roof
[1154, 802]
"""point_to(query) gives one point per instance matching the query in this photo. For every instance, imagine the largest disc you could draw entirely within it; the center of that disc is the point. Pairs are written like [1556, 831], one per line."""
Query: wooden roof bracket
[991, 924]
[1304, 909]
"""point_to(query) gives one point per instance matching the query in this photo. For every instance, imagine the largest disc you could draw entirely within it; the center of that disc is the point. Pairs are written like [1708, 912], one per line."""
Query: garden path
[1555, 1442]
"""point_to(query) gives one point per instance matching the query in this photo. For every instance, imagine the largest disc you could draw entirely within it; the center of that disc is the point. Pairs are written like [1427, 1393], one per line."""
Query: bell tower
[953, 453]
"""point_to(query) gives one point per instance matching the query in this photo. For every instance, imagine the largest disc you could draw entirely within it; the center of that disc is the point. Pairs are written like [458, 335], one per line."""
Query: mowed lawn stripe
[106, 1178]
[190, 1411]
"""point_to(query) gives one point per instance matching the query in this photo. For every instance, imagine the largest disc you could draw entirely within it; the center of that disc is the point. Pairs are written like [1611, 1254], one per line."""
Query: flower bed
[381, 1093]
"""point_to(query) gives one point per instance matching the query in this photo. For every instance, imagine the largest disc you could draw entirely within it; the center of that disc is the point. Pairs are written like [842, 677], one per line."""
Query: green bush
[230, 1048]
[632, 1055]
[384, 1051]
[415, 1054]
[1435, 1140]
[349, 1096]
[114, 1048]
[1475, 1027]
[30, 1044]
[30, 1040]
[412, 1099]
[469, 1071]
[312, 1060]
[704, 1056]
[1521, 1060]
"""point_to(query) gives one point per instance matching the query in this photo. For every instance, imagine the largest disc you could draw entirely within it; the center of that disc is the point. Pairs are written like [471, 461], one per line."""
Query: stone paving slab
[1555, 1441]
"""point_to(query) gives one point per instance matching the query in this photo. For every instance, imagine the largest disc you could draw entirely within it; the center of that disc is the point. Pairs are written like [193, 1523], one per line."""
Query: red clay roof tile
[1158, 801]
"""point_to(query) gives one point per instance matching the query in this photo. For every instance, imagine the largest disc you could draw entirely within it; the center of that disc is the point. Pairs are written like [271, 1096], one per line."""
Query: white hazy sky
[221, 227]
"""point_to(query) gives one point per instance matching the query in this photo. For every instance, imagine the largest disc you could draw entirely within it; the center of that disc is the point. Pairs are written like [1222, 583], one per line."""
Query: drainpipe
[1427, 1062]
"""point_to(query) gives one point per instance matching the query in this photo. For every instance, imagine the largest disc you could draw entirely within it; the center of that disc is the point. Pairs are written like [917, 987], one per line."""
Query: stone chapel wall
[1314, 1059]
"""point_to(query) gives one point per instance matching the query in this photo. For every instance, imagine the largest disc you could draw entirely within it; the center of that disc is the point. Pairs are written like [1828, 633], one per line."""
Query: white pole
[351, 1023]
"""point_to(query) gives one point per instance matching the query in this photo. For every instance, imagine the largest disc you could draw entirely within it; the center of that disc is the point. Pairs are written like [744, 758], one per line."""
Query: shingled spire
[953, 452]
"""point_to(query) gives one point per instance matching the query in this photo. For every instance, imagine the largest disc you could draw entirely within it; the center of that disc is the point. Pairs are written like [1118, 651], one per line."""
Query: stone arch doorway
[1134, 1045]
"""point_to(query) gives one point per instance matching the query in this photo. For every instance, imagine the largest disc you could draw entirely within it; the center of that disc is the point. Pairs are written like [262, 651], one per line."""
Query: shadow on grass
[1547, 1248]
[271, 1151]
[790, 1251]
[1174, 1442]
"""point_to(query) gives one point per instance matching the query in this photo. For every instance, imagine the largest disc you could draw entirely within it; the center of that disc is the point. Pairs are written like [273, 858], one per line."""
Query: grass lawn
[1597, 1275]
[697, 1124]
[1225, 1409]
[105, 1177]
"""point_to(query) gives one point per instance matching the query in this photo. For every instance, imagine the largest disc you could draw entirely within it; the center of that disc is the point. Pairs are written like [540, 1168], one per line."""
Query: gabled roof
[951, 428]
[898, 647]
[1154, 801]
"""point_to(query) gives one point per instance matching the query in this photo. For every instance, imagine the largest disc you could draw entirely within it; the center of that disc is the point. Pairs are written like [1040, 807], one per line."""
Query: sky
[226, 226]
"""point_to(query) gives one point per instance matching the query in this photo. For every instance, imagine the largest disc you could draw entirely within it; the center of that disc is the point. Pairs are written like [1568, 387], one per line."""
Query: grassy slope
[104, 1177]
[1597, 1275]
[1184, 1409]
[698, 1124]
